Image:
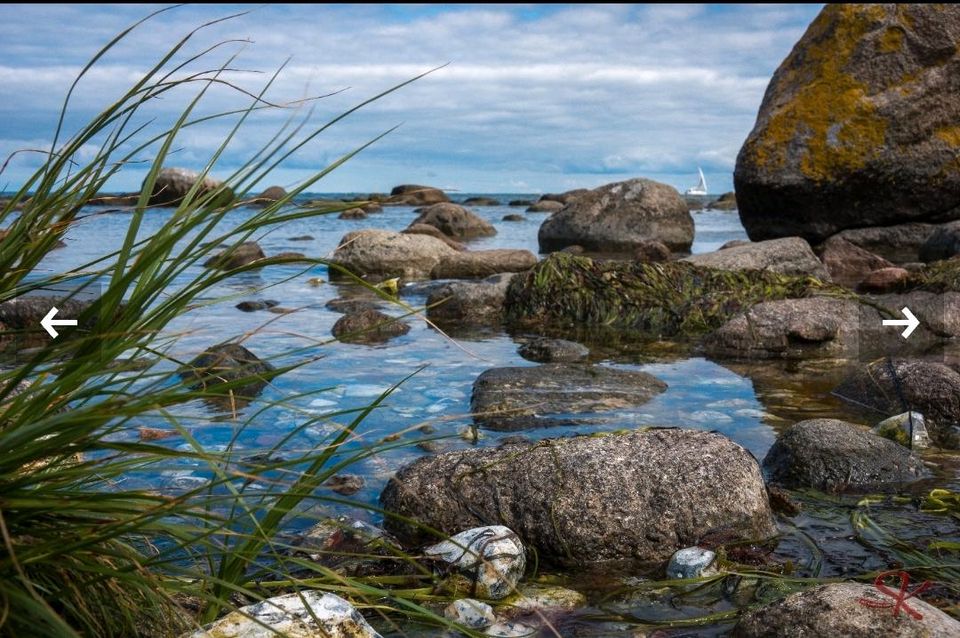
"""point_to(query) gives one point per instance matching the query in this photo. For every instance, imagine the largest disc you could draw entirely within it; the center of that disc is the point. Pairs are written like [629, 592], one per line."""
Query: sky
[522, 98]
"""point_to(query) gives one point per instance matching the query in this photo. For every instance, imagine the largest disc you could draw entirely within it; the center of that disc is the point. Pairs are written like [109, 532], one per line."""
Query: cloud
[549, 97]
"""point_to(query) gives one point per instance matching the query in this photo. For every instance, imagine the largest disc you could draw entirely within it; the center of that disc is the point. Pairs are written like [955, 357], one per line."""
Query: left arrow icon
[48, 322]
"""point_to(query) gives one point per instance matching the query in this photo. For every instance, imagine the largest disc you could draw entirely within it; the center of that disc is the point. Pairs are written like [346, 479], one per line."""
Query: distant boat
[700, 188]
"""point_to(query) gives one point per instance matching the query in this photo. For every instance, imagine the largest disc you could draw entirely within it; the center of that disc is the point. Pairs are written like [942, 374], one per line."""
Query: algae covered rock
[858, 126]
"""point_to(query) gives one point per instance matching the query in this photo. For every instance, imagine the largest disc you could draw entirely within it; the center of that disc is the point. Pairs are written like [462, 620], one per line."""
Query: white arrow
[49, 322]
[910, 322]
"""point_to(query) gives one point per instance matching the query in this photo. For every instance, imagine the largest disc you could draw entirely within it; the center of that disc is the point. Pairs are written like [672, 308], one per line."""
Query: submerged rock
[236, 256]
[544, 350]
[632, 497]
[488, 561]
[836, 610]
[835, 456]
[253, 306]
[470, 613]
[477, 264]
[619, 217]
[788, 256]
[368, 326]
[525, 397]
[305, 614]
[943, 243]
[908, 429]
[469, 302]
[383, 254]
[228, 363]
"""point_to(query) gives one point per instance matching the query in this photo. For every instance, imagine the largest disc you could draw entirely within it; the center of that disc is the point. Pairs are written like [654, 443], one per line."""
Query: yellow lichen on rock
[891, 41]
[950, 135]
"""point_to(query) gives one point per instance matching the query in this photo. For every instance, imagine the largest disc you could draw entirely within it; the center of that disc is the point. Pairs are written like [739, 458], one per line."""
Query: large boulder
[788, 256]
[619, 217]
[858, 126]
[847, 263]
[895, 386]
[900, 243]
[415, 195]
[834, 456]
[455, 221]
[483, 263]
[383, 254]
[840, 609]
[173, 184]
[633, 497]
[515, 398]
[460, 303]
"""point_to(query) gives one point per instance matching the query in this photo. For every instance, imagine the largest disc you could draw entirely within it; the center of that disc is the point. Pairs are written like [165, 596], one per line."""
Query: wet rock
[415, 195]
[253, 306]
[544, 350]
[943, 243]
[520, 202]
[513, 217]
[469, 302]
[630, 497]
[781, 502]
[652, 252]
[236, 257]
[470, 613]
[350, 306]
[477, 264]
[173, 184]
[565, 197]
[899, 243]
[305, 614]
[345, 484]
[692, 562]
[455, 221]
[368, 326]
[350, 547]
[513, 629]
[836, 610]
[301, 238]
[884, 280]
[228, 363]
[516, 398]
[909, 429]
[546, 206]
[619, 217]
[836, 456]
[26, 312]
[857, 127]
[384, 254]
[533, 598]
[433, 231]
[847, 263]
[353, 213]
[788, 256]
[487, 562]
[727, 201]
[481, 201]
[927, 387]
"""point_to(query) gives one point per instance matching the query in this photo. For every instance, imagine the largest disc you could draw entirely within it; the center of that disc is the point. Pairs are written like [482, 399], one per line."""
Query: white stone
[511, 629]
[492, 558]
[692, 562]
[470, 613]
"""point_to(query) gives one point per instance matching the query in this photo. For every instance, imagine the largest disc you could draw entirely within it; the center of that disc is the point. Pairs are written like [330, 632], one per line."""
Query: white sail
[701, 187]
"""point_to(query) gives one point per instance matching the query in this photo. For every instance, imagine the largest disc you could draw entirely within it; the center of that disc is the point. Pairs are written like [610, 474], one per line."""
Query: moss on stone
[891, 41]
[938, 277]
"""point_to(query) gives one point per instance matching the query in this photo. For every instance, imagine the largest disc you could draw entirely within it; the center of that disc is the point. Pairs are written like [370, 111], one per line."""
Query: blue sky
[532, 99]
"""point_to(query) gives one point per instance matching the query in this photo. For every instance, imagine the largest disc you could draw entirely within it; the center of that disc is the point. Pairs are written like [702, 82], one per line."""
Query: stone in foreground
[624, 498]
[470, 303]
[308, 614]
[477, 264]
[692, 562]
[487, 562]
[835, 456]
[836, 610]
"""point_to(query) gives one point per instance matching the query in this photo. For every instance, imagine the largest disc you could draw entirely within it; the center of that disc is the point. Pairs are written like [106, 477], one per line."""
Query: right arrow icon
[910, 322]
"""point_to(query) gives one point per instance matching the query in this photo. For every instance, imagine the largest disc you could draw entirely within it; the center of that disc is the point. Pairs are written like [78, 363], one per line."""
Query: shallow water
[749, 403]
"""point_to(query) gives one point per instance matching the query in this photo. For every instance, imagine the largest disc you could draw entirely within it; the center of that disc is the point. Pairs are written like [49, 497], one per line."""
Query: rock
[546, 206]
[481, 201]
[26, 311]
[930, 388]
[384, 254]
[253, 306]
[348, 546]
[350, 306]
[619, 217]
[516, 398]
[368, 326]
[884, 280]
[306, 614]
[847, 263]
[236, 257]
[433, 231]
[858, 126]
[289, 255]
[415, 195]
[733, 243]
[469, 302]
[173, 184]
[692, 562]
[900, 243]
[301, 238]
[574, 250]
[908, 429]
[631, 497]
[353, 213]
[652, 252]
[228, 363]
[487, 561]
[520, 202]
[836, 610]
[544, 350]
[513, 217]
[345, 484]
[565, 197]
[478, 264]
[512, 629]
[943, 243]
[455, 221]
[835, 456]
[532, 598]
[470, 613]
[727, 201]
[269, 196]
[788, 256]
[371, 208]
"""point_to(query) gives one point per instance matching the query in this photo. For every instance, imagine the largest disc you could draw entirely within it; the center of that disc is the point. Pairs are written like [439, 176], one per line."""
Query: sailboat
[700, 188]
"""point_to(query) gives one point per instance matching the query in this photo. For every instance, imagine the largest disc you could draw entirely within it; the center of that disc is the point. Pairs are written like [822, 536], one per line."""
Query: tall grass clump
[81, 553]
